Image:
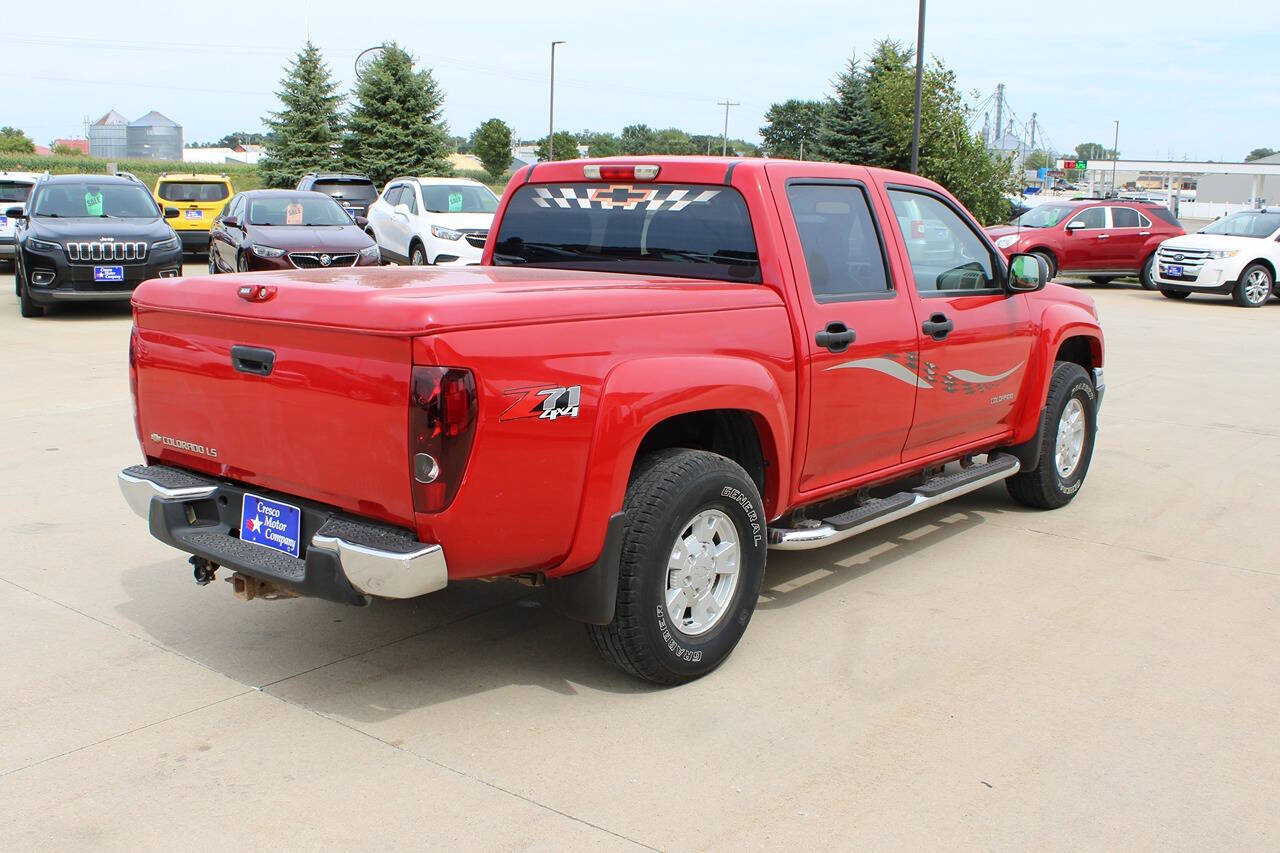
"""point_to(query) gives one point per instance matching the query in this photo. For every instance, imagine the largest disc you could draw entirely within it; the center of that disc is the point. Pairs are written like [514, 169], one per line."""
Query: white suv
[1239, 254]
[432, 220]
[15, 189]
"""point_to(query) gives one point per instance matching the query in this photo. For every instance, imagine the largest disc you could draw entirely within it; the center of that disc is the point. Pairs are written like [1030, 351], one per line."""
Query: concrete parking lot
[980, 676]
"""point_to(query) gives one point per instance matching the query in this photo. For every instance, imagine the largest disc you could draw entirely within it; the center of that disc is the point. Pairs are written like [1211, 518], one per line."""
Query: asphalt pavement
[979, 676]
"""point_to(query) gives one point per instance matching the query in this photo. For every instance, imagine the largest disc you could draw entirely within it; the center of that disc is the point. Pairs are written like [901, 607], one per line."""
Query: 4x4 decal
[544, 403]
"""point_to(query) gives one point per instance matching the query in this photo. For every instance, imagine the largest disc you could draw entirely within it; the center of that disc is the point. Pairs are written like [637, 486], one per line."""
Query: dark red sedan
[288, 229]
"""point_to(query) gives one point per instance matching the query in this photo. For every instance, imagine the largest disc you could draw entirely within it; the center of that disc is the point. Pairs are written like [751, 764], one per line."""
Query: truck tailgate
[328, 422]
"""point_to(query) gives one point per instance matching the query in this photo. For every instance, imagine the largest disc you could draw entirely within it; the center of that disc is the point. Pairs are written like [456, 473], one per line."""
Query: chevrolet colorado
[660, 369]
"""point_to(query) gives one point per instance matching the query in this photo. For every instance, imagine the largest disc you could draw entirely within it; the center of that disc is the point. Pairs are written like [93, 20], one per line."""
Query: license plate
[4, 221]
[271, 524]
[195, 214]
[108, 274]
[1172, 269]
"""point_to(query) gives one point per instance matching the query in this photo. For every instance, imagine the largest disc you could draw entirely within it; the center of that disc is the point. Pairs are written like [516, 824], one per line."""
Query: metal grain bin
[107, 137]
[153, 137]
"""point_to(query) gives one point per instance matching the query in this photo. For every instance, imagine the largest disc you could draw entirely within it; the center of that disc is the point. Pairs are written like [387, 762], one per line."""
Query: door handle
[1144, 233]
[253, 360]
[1104, 236]
[835, 337]
[937, 326]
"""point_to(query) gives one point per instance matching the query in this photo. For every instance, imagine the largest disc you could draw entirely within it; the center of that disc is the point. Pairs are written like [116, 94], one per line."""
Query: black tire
[1102, 279]
[417, 255]
[213, 267]
[26, 306]
[1240, 293]
[1045, 487]
[1049, 265]
[1175, 294]
[242, 262]
[1147, 276]
[668, 490]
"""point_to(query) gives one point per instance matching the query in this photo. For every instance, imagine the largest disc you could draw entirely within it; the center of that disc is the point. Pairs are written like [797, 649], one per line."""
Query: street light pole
[1115, 155]
[915, 123]
[551, 112]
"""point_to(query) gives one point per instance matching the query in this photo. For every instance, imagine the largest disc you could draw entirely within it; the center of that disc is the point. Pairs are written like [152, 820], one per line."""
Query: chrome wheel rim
[702, 572]
[418, 259]
[1070, 444]
[1257, 287]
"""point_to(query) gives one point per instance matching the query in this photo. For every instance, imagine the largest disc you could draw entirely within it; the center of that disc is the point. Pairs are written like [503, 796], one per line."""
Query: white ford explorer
[1239, 254]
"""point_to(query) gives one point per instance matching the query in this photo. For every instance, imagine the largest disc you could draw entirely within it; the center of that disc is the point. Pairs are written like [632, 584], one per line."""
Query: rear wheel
[1175, 294]
[692, 561]
[1254, 287]
[1068, 425]
[1102, 279]
[1147, 275]
[1047, 260]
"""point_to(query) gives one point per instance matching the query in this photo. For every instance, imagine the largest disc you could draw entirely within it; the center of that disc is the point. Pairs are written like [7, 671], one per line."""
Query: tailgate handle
[253, 360]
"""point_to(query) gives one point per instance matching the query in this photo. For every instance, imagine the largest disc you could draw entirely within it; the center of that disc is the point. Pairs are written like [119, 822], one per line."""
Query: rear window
[193, 191]
[1165, 215]
[12, 191]
[682, 230]
[347, 190]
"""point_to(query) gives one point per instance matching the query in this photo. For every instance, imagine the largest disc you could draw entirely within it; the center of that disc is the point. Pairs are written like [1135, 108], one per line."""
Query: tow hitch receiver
[248, 588]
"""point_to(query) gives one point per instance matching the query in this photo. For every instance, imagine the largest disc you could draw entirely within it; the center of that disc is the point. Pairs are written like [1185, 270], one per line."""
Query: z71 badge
[544, 403]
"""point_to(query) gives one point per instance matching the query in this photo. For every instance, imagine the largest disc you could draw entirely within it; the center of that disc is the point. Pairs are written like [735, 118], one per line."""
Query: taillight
[442, 423]
[133, 380]
[602, 172]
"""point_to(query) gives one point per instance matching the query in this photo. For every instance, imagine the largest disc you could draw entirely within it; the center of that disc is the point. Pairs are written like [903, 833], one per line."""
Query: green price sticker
[93, 203]
[455, 202]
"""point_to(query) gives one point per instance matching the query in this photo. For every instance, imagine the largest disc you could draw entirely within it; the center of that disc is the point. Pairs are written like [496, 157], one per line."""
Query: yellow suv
[198, 198]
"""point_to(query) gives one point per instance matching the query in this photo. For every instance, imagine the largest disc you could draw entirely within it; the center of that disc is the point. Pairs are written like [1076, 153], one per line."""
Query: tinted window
[1094, 217]
[88, 198]
[392, 196]
[350, 190]
[461, 198]
[841, 248]
[408, 198]
[192, 191]
[296, 210]
[12, 191]
[1247, 223]
[1166, 215]
[651, 229]
[1124, 217]
[945, 252]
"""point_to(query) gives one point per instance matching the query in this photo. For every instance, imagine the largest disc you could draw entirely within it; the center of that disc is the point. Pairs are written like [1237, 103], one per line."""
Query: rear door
[975, 338]
[393, 225]
[860, 330]
[1085, 245]
[1129, 231]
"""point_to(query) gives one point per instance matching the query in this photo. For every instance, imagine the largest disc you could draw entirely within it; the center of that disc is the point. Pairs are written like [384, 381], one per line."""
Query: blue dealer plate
[108, 273]
[1172, 269]
[271, 524]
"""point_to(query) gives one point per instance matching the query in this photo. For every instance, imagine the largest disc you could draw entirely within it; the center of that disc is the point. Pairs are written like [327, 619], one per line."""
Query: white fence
[1208, 209]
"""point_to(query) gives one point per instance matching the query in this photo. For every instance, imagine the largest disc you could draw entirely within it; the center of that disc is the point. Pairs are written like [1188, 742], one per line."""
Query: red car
[1099, 240]
[288, 229]
[661, 369]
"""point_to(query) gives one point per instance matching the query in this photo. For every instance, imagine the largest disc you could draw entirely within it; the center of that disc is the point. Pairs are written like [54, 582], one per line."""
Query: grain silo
[107, 137]
[154, 137]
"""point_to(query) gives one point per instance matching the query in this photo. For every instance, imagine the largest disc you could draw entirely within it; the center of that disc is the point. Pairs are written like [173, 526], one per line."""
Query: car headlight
[445, 233]
[1006, 241]
[42, 245]
[370, 252]
[267, 251]
[166, 245]
[1219, 254]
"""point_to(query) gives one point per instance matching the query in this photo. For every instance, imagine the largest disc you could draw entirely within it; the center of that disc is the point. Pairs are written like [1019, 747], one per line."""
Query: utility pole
[724, 145]
[915, 120]
[801, 149]
[1115, 156]
[551, 113]
[999, 111]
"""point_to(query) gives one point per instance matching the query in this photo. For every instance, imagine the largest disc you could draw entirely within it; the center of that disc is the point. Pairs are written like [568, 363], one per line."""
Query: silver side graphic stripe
[977, 378]
[888, 367]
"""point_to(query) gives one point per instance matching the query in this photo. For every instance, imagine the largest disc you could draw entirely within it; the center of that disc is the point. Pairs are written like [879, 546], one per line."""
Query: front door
[975, 338]
[859, 325]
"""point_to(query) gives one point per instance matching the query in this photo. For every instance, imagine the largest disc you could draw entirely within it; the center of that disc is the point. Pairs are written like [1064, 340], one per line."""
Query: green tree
[1039, 159]
[492, 144]
[1258, 154]
[793, 128]
[304, 135]
[67, 150]
[1093, 151]
[600, 144]
[566, 146]
[395, 126]
[14, 141]
[637, 139]
[852, 131]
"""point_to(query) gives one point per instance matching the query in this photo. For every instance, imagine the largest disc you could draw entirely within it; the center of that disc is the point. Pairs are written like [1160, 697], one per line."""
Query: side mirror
[1027, 274]
[16, 213]
[230, 222]
[362, 221]
[1074, 225]
[171, 213]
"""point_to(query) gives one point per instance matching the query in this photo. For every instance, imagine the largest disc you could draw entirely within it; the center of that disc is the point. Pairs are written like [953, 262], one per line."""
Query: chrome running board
[880, 511]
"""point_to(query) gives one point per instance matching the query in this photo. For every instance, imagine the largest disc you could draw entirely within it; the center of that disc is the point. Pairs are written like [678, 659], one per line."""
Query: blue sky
[1195, 80]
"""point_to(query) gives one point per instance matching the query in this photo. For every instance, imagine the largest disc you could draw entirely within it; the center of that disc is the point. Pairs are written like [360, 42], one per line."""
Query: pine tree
[852, 131]
[304, 135]
[395, 126]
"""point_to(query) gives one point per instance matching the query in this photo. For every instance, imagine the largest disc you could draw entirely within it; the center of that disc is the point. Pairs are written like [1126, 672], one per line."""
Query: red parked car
[288, 229]
[1096, 239]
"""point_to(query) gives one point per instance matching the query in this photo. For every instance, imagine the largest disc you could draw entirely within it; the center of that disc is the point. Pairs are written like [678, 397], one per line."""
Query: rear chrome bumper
[347, 559]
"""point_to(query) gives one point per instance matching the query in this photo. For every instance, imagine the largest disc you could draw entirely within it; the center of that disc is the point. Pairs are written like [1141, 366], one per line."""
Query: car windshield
[1044, 216]
[458, 198]
[86, 198]
[1246, 223]
[347, 190]
[297, 210]
[11, 191]
[193, 191]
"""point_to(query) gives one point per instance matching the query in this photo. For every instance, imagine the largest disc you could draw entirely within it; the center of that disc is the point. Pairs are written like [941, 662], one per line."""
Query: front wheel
[242, 262]
[27, 307]
[1175, 294]
[1147, 275]
[693, 557]
[417, 256]
[1068, 426]
[1051, 269]
[1102, 279]
[1254, 287]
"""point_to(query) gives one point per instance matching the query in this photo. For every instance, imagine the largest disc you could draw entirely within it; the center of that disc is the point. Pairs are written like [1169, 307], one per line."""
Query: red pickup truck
[660, 369]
